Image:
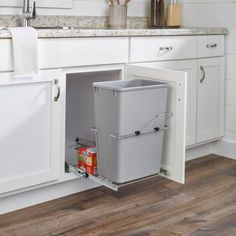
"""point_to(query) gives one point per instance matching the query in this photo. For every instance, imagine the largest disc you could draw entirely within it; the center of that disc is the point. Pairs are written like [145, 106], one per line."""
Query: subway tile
[230, 136]
[230, 45]
[230, 92]
[230, 118]
[231, 67]
[212, 14]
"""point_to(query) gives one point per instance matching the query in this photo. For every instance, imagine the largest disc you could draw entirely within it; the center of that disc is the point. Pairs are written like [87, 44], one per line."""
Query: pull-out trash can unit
[129, 117]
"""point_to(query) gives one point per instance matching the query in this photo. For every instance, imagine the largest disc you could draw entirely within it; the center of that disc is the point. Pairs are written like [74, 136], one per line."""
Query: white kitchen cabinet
[190, 67]
[34, 134]
[210, 103]
[29, 130]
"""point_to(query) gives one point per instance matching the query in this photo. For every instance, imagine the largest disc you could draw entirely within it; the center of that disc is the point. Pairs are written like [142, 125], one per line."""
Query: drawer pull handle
[165, 48]
[56, 82]
[203, 74]
[214, 45]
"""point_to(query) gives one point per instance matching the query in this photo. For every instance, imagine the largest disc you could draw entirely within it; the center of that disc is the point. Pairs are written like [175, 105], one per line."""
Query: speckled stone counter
[76, 32]
[96, 26]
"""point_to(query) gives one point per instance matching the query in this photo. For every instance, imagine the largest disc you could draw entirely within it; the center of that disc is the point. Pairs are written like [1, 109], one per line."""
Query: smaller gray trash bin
[122, 110]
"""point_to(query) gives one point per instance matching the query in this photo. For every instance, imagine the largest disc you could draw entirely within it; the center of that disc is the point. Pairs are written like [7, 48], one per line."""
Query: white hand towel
[25, 51]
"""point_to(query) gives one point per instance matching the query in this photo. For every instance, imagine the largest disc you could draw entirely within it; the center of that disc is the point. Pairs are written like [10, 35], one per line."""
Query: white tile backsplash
[230, 118]
[231, 67]
[231, 136]
[230, 45]
[82, 8]
[230, 95]
[209, 14]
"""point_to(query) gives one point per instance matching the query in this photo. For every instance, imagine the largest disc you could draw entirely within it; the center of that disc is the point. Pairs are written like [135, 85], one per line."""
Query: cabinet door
[190, 67]
[210, 109]
[173, 157]
[29, 123]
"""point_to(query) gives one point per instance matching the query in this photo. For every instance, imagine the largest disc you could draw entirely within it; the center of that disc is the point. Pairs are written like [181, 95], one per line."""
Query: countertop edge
[83, 33]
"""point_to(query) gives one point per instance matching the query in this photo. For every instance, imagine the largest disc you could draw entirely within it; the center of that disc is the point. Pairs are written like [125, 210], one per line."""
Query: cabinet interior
[80, 116]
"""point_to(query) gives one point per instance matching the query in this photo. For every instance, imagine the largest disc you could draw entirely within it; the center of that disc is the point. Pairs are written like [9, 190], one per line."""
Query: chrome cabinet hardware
[214, 45]
[165, 48]
[203, 74]
[56, 82]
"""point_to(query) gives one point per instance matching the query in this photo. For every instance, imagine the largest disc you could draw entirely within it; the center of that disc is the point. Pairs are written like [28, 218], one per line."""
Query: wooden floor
[205, 205]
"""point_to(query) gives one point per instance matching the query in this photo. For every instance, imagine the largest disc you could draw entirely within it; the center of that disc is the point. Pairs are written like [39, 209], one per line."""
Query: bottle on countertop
[173, 14]
[157, 16]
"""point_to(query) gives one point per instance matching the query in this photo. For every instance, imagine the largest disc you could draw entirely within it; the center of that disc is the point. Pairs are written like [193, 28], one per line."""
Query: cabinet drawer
[69, 52]
[162, 48]
[94, 51]
[211, 46]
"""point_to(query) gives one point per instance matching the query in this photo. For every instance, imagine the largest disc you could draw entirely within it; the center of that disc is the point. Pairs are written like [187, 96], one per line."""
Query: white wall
[221, 13]
[79, 7]
[14, 6]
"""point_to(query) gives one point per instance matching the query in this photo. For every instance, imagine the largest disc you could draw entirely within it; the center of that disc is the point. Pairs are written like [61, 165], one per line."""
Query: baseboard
[37, 196]
[199, 151]
[226, 148]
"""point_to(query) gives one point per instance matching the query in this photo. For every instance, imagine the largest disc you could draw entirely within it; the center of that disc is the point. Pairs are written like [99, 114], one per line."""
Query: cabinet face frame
[41, 88]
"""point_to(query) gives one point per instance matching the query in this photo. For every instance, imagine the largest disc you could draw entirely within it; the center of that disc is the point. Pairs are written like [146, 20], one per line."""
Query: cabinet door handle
[203, 74]
[165, 48]
[213, 45]
[56, 82]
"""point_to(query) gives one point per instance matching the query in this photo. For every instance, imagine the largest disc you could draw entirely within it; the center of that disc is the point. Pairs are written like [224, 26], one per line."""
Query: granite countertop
[80, 32]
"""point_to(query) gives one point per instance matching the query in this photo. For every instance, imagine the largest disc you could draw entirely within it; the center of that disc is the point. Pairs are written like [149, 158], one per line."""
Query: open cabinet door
[173, 155]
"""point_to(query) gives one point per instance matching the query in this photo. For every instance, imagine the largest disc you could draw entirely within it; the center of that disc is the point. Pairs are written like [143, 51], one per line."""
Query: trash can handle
[170, 115]
[161, 127]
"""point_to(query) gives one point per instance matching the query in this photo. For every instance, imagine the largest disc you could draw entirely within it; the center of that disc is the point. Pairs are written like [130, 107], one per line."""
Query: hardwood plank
[205, 205]
[158, 217]
[219, 227]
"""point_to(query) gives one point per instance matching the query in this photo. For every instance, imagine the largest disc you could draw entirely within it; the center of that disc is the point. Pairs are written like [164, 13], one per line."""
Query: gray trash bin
[127, 116]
